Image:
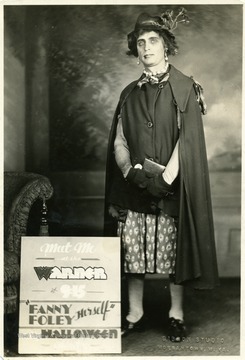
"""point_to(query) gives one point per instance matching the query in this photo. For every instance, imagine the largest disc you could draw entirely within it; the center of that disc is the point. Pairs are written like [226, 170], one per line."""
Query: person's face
[150, 46]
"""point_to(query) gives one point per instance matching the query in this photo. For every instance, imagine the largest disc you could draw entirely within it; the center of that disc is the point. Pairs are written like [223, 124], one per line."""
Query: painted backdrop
[84, 48]
[88, 67]
[65, 67]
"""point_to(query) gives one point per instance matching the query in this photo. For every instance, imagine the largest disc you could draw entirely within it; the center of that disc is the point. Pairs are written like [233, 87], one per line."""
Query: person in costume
[157, 181]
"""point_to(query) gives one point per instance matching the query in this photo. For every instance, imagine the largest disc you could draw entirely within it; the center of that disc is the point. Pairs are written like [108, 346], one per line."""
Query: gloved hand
[138, 177]
[118, 213]
[157, 187]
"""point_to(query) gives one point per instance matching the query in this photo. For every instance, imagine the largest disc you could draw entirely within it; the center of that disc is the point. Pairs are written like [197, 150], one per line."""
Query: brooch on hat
[165, 21]
[170, 22]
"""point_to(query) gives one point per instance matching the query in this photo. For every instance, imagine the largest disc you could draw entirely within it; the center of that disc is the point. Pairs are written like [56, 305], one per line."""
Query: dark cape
[196, 263]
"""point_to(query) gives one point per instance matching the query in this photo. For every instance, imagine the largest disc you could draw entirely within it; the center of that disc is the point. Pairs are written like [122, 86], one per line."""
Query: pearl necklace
[155, 73]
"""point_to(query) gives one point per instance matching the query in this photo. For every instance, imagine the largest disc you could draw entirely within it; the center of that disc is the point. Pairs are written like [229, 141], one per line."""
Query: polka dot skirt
[149, 243]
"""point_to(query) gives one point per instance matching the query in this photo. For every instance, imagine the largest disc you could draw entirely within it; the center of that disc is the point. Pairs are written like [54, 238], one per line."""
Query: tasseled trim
[200, 97]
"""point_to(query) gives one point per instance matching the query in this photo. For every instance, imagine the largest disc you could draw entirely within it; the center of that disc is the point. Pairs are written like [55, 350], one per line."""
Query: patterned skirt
[149, 243]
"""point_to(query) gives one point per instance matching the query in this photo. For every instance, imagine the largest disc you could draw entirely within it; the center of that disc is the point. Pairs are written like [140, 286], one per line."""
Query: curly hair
[168, 37]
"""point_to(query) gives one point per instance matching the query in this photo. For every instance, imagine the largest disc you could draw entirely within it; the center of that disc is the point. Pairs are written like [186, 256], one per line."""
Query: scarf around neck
[153, 79]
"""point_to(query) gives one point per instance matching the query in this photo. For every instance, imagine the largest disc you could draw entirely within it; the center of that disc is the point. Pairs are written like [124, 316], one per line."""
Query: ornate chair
[21, 191]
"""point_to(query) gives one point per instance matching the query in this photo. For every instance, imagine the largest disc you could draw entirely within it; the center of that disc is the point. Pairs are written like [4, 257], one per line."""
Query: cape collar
[181, 86]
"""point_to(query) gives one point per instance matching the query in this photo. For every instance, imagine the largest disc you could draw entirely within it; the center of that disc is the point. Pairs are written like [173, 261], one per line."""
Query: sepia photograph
[122, 178]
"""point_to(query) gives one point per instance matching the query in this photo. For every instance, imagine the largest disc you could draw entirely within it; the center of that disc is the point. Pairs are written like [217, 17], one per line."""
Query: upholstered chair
[21, 192]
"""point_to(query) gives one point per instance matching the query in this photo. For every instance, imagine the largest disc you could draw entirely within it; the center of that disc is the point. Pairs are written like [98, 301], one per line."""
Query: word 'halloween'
[68, 273]
[80, 333]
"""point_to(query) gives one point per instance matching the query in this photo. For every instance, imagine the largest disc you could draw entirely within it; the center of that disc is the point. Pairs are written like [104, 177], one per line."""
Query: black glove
[138, 177]
[157, 187]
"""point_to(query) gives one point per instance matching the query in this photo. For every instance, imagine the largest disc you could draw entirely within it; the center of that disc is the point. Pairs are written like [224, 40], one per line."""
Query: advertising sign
[70, 295]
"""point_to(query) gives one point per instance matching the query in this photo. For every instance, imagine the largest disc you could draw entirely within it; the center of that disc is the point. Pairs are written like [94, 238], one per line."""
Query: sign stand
[70, 295]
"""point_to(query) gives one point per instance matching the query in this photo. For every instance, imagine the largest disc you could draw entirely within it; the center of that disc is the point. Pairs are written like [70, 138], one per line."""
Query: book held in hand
[152, 167]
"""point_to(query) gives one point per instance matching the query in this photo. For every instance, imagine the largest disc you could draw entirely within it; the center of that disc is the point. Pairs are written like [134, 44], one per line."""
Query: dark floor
[212, 318]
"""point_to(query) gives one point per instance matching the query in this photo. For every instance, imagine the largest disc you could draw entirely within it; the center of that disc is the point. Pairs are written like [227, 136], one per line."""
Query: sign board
[70, 295]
